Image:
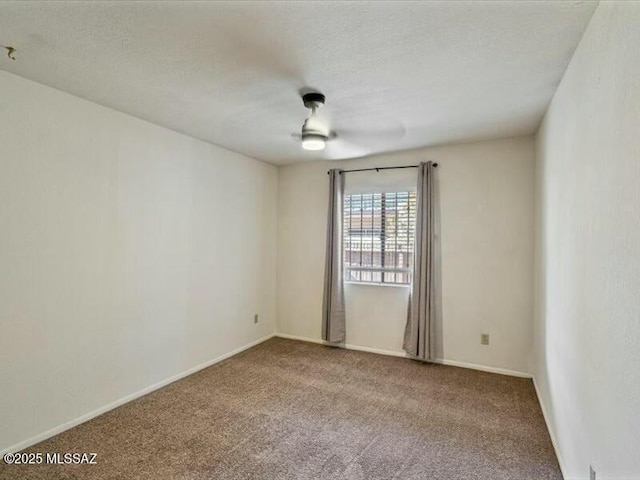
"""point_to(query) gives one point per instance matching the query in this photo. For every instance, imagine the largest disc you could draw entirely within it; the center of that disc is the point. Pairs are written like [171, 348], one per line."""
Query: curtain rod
[377, 169]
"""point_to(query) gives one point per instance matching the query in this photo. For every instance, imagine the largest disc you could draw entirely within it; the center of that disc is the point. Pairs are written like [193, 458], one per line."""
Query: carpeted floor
[293, 410]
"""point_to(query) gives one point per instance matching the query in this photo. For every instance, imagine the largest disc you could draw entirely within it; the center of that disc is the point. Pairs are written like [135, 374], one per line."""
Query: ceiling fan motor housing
[313, 136]
[313, 100]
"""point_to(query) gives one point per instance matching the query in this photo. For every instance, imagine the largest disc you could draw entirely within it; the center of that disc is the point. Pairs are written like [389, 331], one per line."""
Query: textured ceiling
[396, 75]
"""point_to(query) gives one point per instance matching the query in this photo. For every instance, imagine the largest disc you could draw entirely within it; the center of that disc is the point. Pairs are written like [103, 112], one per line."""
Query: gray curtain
[333, 313]
[418, 334]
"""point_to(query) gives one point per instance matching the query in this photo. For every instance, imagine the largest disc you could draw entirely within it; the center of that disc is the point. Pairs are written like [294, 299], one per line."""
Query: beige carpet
[292, 410]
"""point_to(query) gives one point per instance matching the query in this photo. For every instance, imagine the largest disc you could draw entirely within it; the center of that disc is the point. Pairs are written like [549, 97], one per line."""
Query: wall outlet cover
[484, 339]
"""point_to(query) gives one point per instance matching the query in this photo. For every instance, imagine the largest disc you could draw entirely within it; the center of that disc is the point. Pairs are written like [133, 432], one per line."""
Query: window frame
[394, 244]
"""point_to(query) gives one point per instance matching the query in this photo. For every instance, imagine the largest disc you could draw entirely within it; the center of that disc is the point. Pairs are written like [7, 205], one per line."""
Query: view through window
[378, 237]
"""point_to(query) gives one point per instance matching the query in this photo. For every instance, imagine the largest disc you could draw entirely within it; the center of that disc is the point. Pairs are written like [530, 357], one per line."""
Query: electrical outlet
[255, 318]
[484, 339]
[592, 473]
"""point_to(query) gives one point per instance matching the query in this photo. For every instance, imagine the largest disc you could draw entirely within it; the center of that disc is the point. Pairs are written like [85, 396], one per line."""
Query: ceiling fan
[316, 133]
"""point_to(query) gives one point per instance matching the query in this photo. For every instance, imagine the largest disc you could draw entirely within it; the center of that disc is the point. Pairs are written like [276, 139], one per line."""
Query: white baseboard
[302, 339]
[482, 368]
[394, 353]
[343, 345]
[379, 351]
[121, 401]
[554, 442]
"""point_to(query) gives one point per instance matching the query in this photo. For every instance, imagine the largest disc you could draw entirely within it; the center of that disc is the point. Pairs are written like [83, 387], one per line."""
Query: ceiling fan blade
[338, 148]
[368, 136]
[373, 138]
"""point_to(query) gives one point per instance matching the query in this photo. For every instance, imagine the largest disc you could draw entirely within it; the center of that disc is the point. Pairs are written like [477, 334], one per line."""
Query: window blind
[379, 237]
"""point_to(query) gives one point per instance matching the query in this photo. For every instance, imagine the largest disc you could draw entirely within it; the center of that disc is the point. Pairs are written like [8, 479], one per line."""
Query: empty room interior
[359, 240]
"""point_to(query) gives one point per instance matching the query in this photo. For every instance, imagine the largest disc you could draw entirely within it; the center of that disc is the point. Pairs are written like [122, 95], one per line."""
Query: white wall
[486, 197]
[588, 251]
[129, 253]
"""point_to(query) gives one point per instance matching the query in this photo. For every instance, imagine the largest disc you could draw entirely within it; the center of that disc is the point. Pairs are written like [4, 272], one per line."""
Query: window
[378, 237]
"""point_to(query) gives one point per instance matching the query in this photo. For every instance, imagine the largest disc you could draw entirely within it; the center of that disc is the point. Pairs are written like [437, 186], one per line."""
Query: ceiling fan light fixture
[313, 141]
